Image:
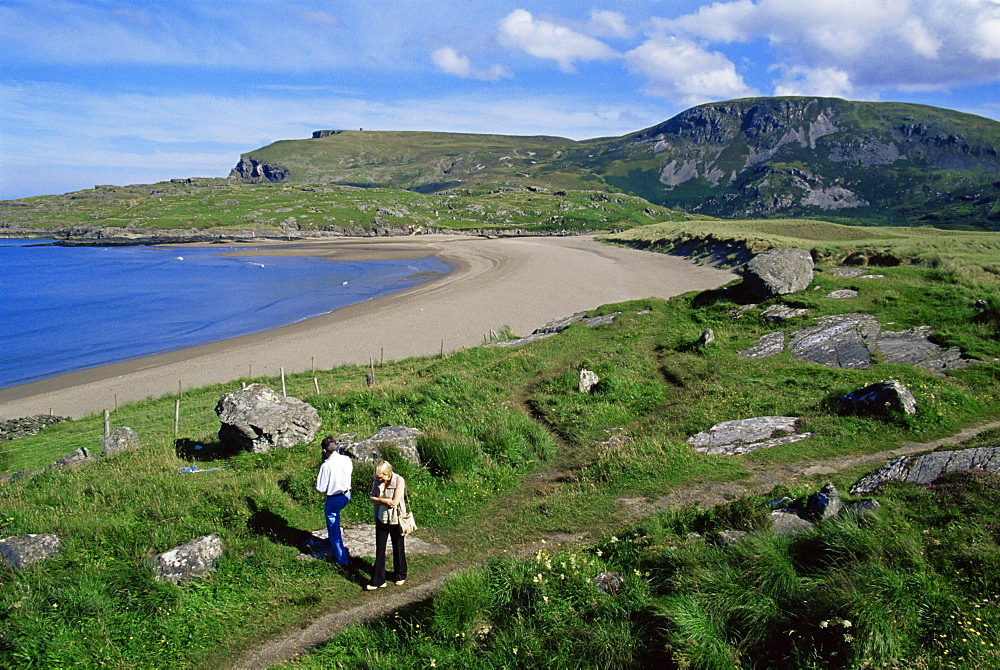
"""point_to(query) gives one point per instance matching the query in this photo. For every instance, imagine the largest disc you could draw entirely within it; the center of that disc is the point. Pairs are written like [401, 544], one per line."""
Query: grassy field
[910, 583]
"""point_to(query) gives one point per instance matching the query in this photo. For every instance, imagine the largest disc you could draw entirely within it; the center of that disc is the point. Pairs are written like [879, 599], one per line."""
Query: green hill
[895, 163]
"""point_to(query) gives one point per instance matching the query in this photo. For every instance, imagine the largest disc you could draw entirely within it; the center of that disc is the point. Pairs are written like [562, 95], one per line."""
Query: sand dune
[519, 282]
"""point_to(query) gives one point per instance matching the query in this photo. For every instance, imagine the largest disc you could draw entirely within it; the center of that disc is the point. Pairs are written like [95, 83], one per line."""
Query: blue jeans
[332, 510]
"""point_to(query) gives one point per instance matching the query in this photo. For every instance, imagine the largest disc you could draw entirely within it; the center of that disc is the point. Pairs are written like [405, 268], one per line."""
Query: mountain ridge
[750, 158]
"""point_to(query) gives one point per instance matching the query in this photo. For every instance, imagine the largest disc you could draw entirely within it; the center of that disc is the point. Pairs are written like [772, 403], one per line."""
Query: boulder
[399, 438]
[743, 436]
[776, 272]
[189, 561]
[926, 468]
[707, 337]
[120, 439]
[588, 380]
[258, 419]
[880, 398]
[21, 551]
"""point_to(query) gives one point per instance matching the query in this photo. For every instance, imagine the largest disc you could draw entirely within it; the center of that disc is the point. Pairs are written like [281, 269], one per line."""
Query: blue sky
[120, 92]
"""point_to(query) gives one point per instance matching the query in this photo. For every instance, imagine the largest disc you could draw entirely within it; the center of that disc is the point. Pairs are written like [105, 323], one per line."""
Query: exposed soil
[705, 494]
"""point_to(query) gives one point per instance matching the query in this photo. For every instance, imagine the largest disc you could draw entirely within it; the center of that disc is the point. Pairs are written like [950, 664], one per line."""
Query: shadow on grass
[265, 522]
[203, 450]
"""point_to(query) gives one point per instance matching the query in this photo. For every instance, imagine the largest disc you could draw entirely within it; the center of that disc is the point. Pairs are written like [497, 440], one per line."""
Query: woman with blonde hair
[387, 496]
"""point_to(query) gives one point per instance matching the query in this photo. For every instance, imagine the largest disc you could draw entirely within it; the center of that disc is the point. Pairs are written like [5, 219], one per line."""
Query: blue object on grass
[188, 469]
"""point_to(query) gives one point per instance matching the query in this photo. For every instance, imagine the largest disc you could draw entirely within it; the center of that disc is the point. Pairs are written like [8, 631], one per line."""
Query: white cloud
[890, 43]
[543, 39]
[604, 23]
[449, 61]
[826, 82]
[682, 70]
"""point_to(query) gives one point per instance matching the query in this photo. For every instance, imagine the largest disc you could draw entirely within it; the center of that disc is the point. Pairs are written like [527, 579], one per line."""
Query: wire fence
[191, 416]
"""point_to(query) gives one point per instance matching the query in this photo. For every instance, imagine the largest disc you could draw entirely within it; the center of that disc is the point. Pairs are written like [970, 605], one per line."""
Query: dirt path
[392, 599]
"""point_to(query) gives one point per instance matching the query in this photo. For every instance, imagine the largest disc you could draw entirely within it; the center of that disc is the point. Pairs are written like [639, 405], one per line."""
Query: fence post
[107, 423]
[283, 392]
[316, 384]
[177, 418]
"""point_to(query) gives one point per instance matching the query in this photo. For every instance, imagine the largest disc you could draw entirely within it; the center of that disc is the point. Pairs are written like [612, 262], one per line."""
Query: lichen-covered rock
[776, 272]
[187, 562]
[398, 438]
[782, 313]
[842, 293]
[258, 419]
[21, 551]
[120, 439]
[789, 523]
[880, 398]
[707, 337]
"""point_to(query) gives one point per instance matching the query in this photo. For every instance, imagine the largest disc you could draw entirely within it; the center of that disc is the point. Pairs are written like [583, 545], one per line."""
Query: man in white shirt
[334, 481]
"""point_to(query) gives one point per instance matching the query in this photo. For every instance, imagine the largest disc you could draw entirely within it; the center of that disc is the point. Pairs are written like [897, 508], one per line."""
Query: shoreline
[520, 283]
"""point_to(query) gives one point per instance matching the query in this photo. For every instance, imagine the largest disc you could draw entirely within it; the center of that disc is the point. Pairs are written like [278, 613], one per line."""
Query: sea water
[69, 308]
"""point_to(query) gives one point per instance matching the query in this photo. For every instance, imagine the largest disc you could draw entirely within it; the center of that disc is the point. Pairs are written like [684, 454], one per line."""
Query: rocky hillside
[896, 163]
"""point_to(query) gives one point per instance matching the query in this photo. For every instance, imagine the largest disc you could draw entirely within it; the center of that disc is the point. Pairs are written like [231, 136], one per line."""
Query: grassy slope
[220, 205]
[492, 416]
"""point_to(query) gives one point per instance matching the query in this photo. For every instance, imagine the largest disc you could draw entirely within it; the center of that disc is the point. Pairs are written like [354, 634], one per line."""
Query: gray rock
[400, 438]
[12, 429]
[788, 523]
[120, 439]
[776, 272]
[926, 468]
[21, 551]
[707, 337]
[880, 398]
[75, 458]
[842, 293]
[588, 380]
[189, 561]
[782, 313]
[258, 419]
[743, 436]
[769, 345]
[824, 503]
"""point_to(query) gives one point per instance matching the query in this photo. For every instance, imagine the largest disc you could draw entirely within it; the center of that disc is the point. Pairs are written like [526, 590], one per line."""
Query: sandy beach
[521, 283]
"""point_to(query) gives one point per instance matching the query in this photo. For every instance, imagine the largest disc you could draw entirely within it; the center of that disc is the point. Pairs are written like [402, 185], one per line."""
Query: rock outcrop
[926, 468]
[121, 439]
[258, 419]
[848, 341]
[743, 436]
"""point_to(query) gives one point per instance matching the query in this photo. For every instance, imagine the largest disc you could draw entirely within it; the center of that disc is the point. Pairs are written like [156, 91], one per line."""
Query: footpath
[422, 586]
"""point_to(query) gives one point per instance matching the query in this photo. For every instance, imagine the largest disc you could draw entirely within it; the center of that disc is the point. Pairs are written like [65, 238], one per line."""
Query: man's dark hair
[329, 445]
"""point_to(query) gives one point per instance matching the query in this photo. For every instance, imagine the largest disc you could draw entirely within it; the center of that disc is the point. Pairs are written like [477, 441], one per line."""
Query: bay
[64, 309]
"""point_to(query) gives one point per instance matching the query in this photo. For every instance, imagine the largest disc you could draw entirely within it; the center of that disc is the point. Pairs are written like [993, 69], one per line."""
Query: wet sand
[521, 283]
